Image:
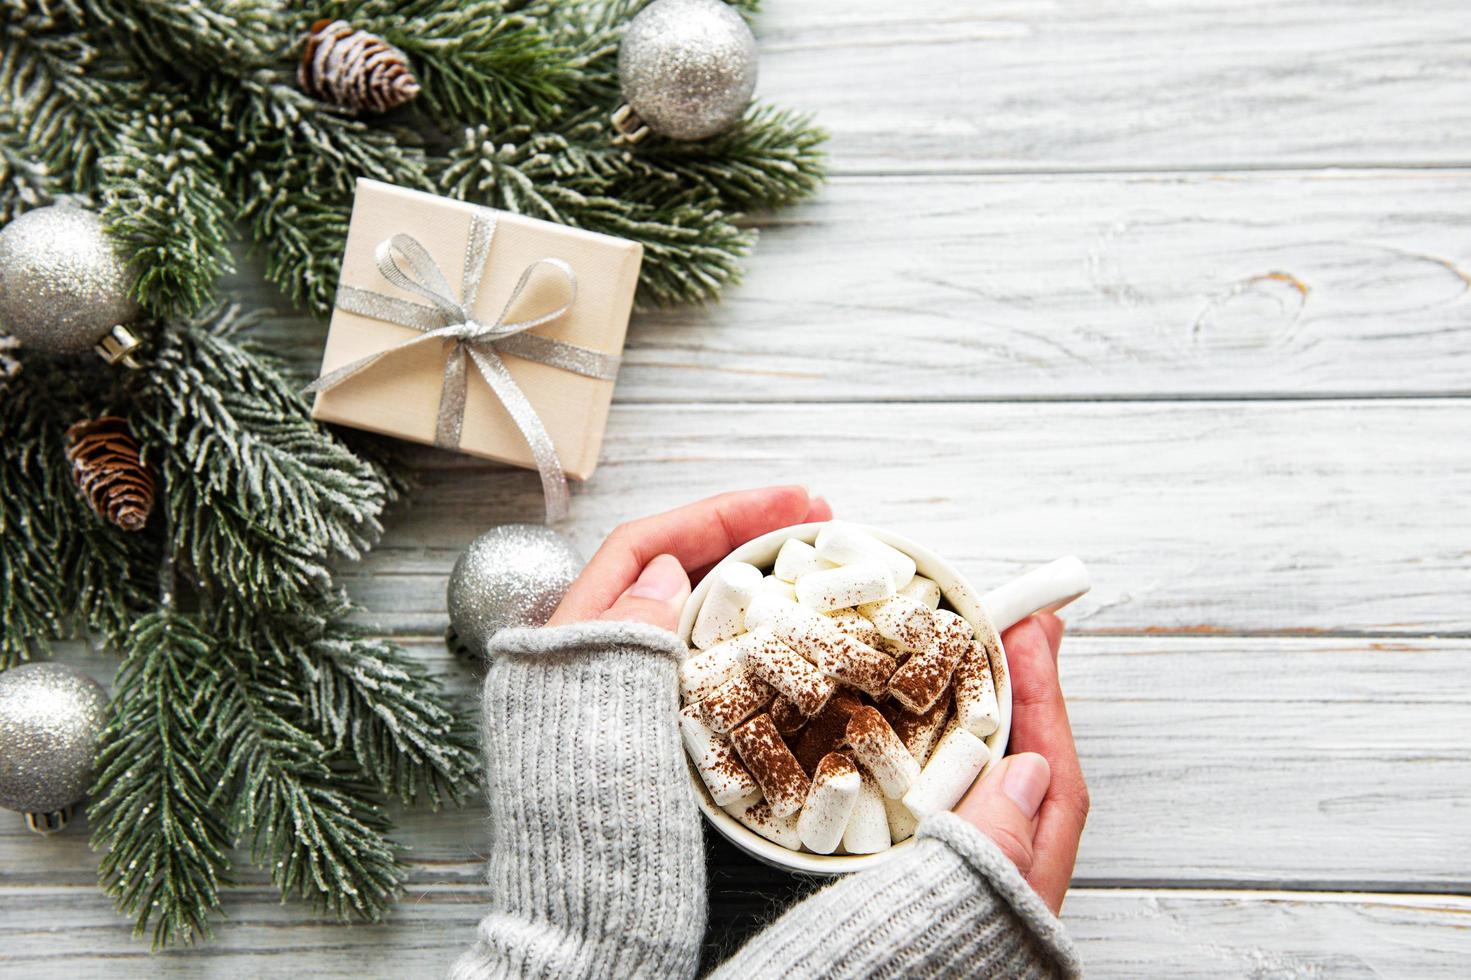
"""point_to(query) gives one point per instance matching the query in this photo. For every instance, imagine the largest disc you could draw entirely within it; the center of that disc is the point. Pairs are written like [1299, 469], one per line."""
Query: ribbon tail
[451, 418]
[334, 378]
[548, 464]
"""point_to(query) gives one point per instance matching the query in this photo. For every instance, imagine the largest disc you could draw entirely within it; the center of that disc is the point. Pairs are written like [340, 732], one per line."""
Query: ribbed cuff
[596, 857]
[987, 861]
[594, 638]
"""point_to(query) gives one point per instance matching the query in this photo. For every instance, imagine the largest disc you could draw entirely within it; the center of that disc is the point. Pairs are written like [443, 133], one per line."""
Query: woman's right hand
[1033, 804]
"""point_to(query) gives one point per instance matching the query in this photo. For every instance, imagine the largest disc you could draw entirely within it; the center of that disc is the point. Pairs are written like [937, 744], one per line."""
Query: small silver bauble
[687, 68]
[64, 287]
[512, 575]
[51, 716]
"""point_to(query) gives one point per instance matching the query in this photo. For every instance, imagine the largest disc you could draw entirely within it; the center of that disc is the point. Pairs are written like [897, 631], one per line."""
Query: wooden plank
[61, 933]
[1263, 760]
[1198, 517]
[1255, 934]
[973, 288]
[1051, 84]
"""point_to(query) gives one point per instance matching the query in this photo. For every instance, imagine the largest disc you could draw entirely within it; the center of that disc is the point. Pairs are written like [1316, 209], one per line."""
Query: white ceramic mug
[1048, 588]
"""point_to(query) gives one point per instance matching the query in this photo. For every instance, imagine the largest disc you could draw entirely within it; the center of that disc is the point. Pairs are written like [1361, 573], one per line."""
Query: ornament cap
[629, 125]
[117, 346]
[52, 822]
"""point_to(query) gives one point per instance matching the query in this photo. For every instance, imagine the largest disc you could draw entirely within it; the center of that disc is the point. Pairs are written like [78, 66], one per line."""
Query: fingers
[818, 509]
[1039, 723]
[1004, 805]
[656, 597]
[696, 535]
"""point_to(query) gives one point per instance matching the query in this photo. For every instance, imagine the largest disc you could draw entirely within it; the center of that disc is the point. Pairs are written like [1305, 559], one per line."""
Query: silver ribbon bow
[450, 320]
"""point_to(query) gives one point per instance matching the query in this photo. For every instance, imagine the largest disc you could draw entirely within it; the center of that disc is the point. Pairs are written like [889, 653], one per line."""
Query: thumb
[657, 597]
[1004, 805]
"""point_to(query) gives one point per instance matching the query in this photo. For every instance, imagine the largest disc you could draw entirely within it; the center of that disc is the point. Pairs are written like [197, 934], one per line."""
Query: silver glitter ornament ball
[687, 67]
[63, 283]
[512, 575]
[51, 716]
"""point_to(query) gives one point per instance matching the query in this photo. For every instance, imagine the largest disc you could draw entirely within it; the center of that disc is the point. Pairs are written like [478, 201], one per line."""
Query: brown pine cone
[109, 470]
[354, 69]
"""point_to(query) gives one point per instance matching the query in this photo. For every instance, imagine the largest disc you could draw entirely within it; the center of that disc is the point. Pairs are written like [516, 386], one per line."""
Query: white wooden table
[1179, 286]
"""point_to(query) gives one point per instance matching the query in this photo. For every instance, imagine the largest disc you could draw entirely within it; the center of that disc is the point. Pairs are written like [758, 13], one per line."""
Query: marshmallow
[785, 716]
[797, 558]
[955, 764]
[734, 701]
[764, 606]
[723, 613]
[880, 750]
[790, 673]
[918, 732]
[775, 769]
[856, 626]
[847, 544]
[902, 823]
[829, 803]
[826, 731]
[868, 825]
[848, 585]
[907, 622]
[924, 677]
[715, 758]
[834, 652]
[702, 673]
[755, 813]
[923, 590]
[773, 584]
[976, 708]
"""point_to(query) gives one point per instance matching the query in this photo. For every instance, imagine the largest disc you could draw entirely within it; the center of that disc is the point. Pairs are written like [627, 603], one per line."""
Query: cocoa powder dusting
[723, 761]
[783, 781]
[788, 719]
[911, 727]
[825, 730]
[735, 700]
[833, 765]
[791, 674]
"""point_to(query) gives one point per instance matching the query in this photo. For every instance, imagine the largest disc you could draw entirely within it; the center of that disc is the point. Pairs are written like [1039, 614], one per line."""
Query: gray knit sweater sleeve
[596, 859]
[597, 862]
[953, 906]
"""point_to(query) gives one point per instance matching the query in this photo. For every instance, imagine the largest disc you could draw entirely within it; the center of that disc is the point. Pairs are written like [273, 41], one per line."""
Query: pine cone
[354, 69]
[107, 466]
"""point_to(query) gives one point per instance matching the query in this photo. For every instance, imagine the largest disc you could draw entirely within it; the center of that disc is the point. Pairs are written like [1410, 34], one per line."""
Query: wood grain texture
[1113, 84]
[1258, 760]
[987, 288]
[63, 933]
[1089, 281]
[1193, 517]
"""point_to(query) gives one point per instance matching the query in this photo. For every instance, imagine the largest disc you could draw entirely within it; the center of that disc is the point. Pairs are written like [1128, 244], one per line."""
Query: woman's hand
[643, 571]
[1034, 803]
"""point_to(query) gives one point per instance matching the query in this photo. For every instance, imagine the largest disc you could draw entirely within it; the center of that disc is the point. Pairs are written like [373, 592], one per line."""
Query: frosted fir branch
[260, 499]
[309, 819]
[474, 59]
[153, 806]
[24, 183]
[772, 159]
[165, 202]
[692, 250]
[62, 100]
[204, 34]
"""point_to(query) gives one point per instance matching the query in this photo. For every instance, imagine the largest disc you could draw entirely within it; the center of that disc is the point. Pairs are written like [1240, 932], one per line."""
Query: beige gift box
[399, 395]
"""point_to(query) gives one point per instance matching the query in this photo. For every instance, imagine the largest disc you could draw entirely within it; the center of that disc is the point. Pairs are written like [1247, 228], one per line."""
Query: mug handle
[1045, 589]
